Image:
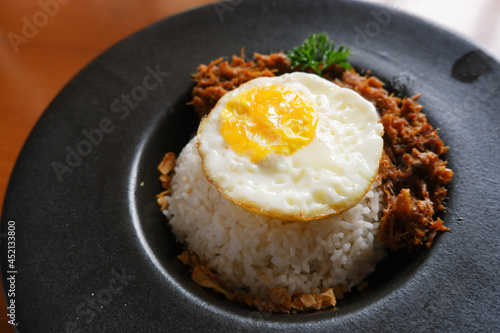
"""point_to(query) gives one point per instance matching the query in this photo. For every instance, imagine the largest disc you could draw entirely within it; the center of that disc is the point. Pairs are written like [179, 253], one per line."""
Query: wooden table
[36, 61]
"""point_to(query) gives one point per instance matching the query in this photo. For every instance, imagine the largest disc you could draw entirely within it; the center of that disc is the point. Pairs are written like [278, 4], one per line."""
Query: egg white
[326, 177]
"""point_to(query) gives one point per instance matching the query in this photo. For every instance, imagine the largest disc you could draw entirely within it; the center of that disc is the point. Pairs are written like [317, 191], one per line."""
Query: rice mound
[253, 253]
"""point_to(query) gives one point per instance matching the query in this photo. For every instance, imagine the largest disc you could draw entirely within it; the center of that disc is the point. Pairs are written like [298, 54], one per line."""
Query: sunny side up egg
[293, 147]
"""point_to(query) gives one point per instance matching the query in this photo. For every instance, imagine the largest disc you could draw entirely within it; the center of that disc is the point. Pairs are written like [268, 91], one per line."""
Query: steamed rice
[253, 253]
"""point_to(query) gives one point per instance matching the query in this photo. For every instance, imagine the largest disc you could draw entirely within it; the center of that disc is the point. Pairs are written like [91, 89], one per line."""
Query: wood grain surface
[34, 69]
[44, 43]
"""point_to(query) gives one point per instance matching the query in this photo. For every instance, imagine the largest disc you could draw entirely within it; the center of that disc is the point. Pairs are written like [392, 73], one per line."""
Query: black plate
[93, 252]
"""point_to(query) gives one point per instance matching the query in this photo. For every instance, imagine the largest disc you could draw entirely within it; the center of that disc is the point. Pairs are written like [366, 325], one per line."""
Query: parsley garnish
[317, 53]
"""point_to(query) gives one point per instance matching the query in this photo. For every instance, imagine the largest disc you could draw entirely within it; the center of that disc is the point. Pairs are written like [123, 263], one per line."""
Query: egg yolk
[268, 120]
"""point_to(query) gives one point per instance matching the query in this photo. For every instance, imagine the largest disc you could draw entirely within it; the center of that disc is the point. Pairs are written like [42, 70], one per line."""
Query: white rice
[253, 253]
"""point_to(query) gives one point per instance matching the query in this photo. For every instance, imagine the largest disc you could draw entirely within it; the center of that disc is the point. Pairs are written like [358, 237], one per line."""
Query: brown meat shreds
[371, 88]
[413, 174]
[219, 77]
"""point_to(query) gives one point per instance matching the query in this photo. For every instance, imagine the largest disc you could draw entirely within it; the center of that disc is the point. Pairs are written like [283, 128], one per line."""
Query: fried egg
[293, 147]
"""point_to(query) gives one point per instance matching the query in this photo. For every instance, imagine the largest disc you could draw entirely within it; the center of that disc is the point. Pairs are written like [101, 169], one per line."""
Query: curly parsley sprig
[318, 52]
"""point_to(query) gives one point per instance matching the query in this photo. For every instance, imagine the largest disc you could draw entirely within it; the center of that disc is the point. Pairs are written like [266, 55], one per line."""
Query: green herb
[318, 52]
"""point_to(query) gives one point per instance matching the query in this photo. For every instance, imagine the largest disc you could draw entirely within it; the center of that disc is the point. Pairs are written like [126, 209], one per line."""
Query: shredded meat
[219, 77]
[413, 173]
